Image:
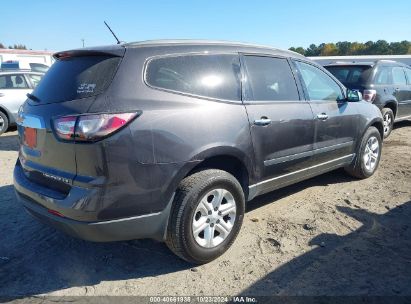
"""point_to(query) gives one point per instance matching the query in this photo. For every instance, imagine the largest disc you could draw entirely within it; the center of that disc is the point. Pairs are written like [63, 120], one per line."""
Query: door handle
[322, 116]
[263, 121]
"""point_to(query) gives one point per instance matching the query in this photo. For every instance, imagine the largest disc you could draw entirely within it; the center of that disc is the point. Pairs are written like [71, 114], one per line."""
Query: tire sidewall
[192, 247]
[6, 123]
[371, 132]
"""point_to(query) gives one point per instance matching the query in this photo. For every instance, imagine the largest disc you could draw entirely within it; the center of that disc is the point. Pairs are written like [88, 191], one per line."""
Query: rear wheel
[4, 123]
[206, 217]
[388, 119]
[368, 155]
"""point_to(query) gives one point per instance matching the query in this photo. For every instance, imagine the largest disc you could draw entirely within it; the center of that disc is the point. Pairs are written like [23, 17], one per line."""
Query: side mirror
[353, 96]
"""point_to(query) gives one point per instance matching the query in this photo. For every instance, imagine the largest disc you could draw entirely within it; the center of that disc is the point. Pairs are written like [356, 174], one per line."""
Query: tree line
[15, 46]
[345, 48]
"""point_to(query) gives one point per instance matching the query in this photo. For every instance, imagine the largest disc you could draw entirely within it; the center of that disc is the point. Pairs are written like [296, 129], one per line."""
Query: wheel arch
[393, 105]
[229, 159]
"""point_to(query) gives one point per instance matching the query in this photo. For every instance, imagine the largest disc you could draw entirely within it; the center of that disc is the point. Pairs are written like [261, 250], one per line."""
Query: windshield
[350, 75]
[76, 77]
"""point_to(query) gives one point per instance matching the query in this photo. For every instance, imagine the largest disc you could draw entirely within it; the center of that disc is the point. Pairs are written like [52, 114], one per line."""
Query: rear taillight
[93, 127]
[369, 95]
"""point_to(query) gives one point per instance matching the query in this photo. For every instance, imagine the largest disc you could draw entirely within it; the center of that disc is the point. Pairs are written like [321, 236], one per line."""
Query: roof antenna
[118, 41]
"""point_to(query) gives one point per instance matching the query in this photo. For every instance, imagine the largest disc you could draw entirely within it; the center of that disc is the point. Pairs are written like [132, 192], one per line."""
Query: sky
[60, 25]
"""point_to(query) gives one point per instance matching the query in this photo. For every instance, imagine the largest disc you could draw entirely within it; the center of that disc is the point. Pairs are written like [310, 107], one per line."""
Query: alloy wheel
[214, 218]
[371, 153]
[387, 121]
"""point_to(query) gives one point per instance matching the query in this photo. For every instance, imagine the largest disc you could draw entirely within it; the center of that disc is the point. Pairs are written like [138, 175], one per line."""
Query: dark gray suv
[385, 83]
[169, 139]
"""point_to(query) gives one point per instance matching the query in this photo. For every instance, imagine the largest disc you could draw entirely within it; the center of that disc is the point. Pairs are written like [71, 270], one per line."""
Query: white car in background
[14, 86]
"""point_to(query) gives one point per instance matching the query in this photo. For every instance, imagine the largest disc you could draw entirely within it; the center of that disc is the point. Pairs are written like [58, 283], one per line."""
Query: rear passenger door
[336, 120]
[407, 110]
[281, 123]
[401, 91]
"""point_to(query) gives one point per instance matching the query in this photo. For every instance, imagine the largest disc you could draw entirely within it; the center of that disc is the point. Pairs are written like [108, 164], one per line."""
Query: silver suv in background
[14, 86]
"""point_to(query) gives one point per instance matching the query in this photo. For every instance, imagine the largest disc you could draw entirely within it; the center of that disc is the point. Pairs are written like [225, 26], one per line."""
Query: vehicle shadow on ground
[9, 142]
[36, 259]
[372, 260]
[402, 124]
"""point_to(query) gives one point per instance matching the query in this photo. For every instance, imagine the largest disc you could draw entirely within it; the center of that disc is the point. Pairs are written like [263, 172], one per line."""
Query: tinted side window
[319, 85]
[13, 82]
[270, 79]
[398, 76]
[215, 76]
[383, 75]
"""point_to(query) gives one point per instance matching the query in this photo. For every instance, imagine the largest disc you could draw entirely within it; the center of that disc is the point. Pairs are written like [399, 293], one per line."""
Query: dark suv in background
[169, 139]
[387, 84]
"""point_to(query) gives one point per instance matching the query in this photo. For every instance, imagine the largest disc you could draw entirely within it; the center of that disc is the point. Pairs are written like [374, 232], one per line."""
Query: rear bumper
[38, 204]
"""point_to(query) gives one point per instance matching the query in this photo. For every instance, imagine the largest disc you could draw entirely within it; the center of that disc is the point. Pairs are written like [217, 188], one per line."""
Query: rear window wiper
[32, 97]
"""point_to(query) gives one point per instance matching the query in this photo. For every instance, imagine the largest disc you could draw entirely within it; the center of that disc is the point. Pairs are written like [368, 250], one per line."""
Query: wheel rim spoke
[200, 225]
[223, 227]
[218, 197]
[228, 210]
[209, 236]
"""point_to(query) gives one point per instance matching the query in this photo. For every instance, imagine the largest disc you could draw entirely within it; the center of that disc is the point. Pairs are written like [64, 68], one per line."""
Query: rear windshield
[76, 78]
[350, 75]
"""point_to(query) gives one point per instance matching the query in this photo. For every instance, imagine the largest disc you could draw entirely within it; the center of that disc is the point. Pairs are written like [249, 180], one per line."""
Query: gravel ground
[330, 235]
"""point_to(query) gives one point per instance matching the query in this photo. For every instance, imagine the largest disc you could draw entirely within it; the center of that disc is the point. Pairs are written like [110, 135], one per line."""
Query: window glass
[270, 79]
[76, 78]
[215, 76]
[319, 85]
[398, 76]
[350, 75]
[408, 72]
[13, 82]
[35, 79]
[383, 75]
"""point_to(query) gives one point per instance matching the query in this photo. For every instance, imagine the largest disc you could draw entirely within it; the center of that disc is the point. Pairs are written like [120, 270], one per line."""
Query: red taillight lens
[94, 127]
[369, 95]
[91, 127]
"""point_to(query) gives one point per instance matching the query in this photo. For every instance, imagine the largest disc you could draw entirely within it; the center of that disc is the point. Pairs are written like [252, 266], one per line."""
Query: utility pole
[83, 42]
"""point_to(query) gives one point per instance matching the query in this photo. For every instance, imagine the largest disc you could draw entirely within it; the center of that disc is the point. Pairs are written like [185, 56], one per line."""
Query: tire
[189, 213]
[371, 145]
[4, 123]
[388, 117]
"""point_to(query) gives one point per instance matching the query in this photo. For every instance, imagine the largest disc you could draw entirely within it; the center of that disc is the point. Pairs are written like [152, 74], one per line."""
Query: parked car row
[169, 139]
[14, 86]
[385, 83]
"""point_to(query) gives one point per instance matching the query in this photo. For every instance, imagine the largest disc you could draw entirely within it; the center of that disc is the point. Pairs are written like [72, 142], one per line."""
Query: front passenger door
[336, 119]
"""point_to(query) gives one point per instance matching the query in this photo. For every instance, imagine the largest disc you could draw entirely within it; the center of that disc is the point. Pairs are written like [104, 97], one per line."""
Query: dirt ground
[330, 235]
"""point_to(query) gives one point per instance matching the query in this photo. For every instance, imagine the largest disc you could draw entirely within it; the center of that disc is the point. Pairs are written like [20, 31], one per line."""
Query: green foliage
[16, 46]
[344, 48]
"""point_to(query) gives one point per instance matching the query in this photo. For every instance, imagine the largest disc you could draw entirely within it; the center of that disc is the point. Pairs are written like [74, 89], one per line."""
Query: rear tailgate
[70, 87]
